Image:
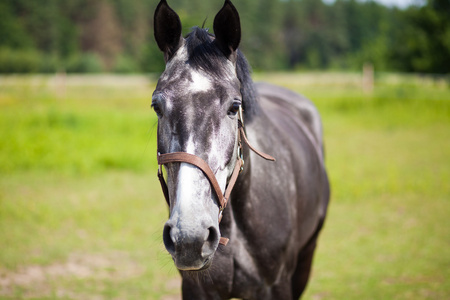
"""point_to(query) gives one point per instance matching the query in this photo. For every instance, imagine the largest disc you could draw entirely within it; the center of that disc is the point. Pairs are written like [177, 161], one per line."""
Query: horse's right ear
[167, 29]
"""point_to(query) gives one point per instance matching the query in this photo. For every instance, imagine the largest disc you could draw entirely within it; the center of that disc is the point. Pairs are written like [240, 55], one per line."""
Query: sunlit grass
[84, 130]
[81, 212]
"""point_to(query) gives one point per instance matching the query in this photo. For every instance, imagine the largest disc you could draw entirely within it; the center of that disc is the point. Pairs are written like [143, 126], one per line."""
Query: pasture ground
[81, 211]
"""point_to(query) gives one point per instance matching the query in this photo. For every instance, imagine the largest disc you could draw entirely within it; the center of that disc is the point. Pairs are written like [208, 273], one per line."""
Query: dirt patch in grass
[53, 280]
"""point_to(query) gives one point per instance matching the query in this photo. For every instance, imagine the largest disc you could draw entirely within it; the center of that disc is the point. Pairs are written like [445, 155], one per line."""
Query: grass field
[81, 211]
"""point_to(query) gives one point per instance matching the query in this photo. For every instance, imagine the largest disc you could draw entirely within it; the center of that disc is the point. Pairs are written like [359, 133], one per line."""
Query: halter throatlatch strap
[183, 157]
[262, 154]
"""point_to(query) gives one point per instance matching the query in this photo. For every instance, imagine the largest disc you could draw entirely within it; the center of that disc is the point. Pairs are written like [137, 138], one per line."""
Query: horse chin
[197, 267]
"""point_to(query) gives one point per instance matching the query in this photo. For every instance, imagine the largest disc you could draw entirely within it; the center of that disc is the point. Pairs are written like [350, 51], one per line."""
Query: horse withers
[241, 225]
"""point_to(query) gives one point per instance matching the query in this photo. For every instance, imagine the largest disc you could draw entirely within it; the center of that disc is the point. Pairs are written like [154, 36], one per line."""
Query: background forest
[79, 36]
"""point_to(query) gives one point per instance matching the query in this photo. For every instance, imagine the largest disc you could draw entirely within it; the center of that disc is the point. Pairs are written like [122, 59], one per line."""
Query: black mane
[206, 55]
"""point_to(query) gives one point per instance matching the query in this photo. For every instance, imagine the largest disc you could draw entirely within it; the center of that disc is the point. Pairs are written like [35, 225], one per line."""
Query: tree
[424, 44]
[117, 35]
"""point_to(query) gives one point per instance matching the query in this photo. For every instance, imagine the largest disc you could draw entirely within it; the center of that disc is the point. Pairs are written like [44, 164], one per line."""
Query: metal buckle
[221, 209]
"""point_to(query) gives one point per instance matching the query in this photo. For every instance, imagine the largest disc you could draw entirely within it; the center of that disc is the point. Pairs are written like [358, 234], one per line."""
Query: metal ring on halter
[241, 115]
[241, 156]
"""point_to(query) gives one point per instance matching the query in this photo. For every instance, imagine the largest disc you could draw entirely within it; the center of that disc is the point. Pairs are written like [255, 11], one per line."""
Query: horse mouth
[207, 264]
[204, 266]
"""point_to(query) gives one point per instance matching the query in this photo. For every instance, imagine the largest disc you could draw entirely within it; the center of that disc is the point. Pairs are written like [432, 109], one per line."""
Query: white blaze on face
[200, 83]
[187, 187]
[187, 190]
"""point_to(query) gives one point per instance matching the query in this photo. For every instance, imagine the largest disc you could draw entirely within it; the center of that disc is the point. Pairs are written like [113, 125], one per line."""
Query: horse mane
[206, 55]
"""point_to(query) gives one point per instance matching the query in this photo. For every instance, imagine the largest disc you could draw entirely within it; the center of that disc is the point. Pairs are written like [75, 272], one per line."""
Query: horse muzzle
[192, 248]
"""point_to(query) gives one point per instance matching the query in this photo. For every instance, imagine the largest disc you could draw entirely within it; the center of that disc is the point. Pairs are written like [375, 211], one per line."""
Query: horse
[218, 131]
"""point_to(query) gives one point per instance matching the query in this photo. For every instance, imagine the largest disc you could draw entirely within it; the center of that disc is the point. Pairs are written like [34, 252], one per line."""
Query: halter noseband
[184, 157]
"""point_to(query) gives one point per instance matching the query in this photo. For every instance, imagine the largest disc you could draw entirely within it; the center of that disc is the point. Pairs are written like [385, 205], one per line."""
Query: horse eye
[157, 109]
[234, 108]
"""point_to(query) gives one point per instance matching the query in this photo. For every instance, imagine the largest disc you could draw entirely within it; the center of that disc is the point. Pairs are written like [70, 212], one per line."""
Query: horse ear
[167, 29]
[227, 28]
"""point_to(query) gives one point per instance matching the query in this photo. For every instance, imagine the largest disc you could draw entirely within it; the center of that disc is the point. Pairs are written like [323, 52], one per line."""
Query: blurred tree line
[117, 35]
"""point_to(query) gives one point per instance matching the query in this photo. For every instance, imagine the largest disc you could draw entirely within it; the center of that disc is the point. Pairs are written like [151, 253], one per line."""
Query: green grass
[81, 212]
[86, 130]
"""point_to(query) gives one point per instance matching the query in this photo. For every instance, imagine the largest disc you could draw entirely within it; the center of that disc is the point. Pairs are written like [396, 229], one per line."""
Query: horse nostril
[168, 242]
[211, 242]
[213, 235]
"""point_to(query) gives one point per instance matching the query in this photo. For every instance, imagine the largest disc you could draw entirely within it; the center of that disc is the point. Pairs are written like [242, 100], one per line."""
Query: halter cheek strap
[183, 157]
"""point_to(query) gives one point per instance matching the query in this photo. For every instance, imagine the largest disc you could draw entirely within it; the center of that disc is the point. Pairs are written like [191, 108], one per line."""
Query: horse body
[275, 210]
[273, 218]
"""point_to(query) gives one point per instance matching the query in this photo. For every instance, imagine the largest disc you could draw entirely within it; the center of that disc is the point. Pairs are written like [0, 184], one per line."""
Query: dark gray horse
[274, 210]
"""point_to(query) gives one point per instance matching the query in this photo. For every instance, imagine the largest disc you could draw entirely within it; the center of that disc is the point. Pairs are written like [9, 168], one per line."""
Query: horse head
[197, 100]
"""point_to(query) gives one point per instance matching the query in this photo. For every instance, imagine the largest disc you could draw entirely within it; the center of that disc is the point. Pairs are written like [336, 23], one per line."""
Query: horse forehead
[181, 76]
[186, 81]
[200, 82]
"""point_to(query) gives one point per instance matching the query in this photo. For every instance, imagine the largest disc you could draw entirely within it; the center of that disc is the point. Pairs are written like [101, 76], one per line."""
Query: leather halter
[184, 157]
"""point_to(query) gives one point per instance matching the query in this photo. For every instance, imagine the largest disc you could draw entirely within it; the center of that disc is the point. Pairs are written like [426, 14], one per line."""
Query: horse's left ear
[227, 28]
